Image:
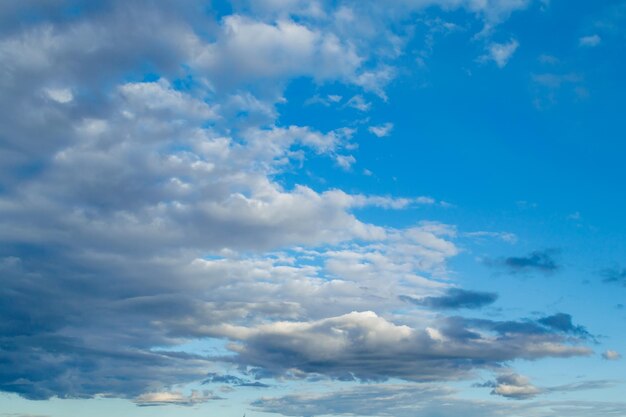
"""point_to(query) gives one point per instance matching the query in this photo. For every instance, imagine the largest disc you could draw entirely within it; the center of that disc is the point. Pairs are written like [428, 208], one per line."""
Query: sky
[312, 208]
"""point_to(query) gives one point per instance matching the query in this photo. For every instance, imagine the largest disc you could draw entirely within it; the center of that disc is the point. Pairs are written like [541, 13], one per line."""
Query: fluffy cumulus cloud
[142, 206]
[367, 347]
[514, 386]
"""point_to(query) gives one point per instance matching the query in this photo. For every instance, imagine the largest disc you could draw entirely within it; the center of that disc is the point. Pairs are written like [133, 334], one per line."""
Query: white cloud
[365, 346]
[359, 103]
[515, 386]
[590, 41]
[500, 53]
[345, 161]
[159, 215]
[60, 95]
[174, 398]
[252, 50]
[382, 130]
[611, 355]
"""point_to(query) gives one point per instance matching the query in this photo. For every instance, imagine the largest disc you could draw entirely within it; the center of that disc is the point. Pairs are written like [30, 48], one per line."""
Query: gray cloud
[614, 275]
[611, 355]
[422, 400]
[214, 378]
[136, 215]
[367, 347]
[539, 261]
[563, 322]
[514, 386]
[454, 298]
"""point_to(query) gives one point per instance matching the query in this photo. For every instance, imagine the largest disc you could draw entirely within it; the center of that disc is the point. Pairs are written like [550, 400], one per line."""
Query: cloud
[382, 130]
[519, 387]
[455, 298]
[590, 41]
[514, 386]
[141, 211]
[345, 161]
[422, 400]
[611, 355]
[551, 86]
[504, 236]
[174, 398]
[214, 378]
[500, 53]
[614, 275]
[563, 322]
[540, 261]
[359, 103]
[365, 346]
[247, 49]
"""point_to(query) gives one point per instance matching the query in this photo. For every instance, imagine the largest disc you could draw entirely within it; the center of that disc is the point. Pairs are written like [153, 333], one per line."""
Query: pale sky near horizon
[409, 208]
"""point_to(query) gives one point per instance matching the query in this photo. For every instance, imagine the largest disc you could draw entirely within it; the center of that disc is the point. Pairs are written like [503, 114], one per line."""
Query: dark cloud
[366, 347]
[560, 323]
[454, 298]
[614, 275]
[135, 218]
[423, 400]
[563, 322]
[540, 261]
[214, 378]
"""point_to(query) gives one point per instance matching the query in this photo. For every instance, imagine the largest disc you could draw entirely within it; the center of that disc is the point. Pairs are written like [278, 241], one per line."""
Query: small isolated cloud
[611, 355]
[503, 236]
[576, 216]
[359, 103]
[334, 98]
[540, 261]
[551, 87]
[381, 131]
[500, 53]
[514, 386]
[455, 298]
[345, 161]
[548, 59]
[590, 41]
[174, 398]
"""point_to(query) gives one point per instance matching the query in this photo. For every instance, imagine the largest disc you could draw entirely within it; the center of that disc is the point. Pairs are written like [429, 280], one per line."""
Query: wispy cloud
[500, 53]
[540, 261]
[454, 298]
[590, 41]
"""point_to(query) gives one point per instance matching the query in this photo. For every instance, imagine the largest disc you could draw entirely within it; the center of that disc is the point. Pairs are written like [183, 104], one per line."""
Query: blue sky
[312, 208]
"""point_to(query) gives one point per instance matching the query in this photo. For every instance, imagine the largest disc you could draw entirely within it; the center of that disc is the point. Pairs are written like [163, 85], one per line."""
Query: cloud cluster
[141, 208]
[367, 347]
[422, 400]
